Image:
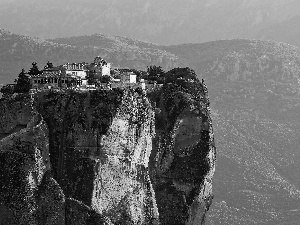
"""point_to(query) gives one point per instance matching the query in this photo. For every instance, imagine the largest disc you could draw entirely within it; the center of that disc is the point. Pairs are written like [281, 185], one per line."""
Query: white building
[54, 77]
[128, 77]
[106, 69]
[77, 70]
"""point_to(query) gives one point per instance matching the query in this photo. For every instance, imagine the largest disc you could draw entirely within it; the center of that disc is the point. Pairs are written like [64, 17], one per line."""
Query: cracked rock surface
[106, 157]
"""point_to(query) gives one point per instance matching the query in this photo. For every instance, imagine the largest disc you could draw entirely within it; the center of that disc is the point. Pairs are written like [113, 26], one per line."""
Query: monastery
[69, 74]
[75, 75]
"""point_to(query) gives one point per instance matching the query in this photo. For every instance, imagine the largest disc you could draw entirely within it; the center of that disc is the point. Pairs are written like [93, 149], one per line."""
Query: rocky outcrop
[84, 157]
[183, 156]
[14, 115]
[100, 144]
[28, 194]
[78, 213]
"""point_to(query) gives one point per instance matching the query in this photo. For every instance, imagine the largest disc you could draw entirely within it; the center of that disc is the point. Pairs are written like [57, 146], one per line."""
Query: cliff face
[183, 156]
[28, 194]
[100, 143]
[81, 158]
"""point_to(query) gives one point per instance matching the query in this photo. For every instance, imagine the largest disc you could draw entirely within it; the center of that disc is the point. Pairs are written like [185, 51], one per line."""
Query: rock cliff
[183, 156]
[106, 157]
[28, 194]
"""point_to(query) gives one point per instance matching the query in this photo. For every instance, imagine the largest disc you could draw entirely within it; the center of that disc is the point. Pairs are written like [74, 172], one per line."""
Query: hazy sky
[163, 22]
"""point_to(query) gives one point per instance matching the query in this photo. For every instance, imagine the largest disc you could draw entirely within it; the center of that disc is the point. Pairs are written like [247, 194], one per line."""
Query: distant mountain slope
[17, 52]
[254, 89]
[287, 31]
[163, 22]
[105, 41]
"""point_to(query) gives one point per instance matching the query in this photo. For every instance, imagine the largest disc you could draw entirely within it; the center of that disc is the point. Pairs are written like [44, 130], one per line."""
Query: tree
[22, 83]
[7, 90]
[180, 74]
[144, 74]
[90, 76]
[49, 65]
[139, 74]
[105, 79]
[155, 73]
[34, 70]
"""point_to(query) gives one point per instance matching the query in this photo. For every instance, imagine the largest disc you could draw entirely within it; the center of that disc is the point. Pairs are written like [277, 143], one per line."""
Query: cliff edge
[184, 154]
[107, 156]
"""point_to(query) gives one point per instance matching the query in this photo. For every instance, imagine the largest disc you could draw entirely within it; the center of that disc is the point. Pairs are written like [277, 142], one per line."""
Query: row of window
[55, 81]
[74, 67]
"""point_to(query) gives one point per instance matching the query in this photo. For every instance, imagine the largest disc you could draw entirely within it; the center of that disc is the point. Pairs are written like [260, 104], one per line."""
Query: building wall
[106, 69]
[132, 78]
[84, 82]
[42, 82]
[80, 73]
[128, 78]
[53, 82]
[125, 78]
[74, 66]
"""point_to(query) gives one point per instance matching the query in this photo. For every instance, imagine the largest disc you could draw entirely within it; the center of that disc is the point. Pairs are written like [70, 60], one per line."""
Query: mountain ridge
[169, 22]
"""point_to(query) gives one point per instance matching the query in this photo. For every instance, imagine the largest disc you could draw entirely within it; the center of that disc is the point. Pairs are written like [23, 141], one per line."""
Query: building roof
[53, 75]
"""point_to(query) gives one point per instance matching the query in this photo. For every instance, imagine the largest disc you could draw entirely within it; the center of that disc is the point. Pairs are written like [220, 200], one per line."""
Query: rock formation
[28, 194]
[183, 156]
[72, 157]
[100, 144]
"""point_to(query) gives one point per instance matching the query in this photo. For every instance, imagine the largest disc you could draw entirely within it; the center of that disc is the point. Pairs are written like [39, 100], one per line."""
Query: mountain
[287, 31]
[254, 90]
[17, 52]
[96, 157]
[163, 22]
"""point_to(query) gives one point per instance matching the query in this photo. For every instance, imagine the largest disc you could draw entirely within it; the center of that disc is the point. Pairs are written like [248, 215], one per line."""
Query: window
[55, 80]
[35, 81]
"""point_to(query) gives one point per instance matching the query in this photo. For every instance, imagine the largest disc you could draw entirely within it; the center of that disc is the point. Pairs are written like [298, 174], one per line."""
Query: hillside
[163, 22]
[254, 90]
[17, 52]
